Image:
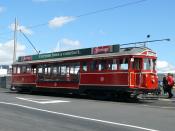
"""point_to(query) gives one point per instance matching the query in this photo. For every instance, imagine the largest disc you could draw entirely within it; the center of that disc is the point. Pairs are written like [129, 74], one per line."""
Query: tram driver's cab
[143, 73]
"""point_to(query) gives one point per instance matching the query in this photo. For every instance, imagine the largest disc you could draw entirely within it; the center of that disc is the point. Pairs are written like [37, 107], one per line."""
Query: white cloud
[6, 51]
[1, 9]
[165, 67]
[22, 28]
[60, 21]
[67, 44]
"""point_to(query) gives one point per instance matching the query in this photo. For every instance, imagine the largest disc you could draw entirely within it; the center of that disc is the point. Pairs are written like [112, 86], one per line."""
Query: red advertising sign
[27, 58]
[101, 49]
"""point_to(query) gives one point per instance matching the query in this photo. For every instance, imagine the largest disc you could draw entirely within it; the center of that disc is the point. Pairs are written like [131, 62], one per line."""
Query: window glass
[28, 70]
[18, 70]
[136, 64]
[63, 70]
[40, 70]
[148, 64]
[84, 66]
[54, 70]
[34, 70]
[112, 64]
[102, 65]
[123, 64]
[77, 69]
[154, 65]
[14, 70]
[93, 66]
[23, 69]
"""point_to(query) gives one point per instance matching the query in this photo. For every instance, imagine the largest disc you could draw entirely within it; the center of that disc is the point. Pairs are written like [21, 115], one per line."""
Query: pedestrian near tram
[165, 83]
[170, 84]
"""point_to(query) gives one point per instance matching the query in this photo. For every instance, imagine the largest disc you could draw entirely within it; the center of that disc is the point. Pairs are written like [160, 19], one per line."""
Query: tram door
[136, 66]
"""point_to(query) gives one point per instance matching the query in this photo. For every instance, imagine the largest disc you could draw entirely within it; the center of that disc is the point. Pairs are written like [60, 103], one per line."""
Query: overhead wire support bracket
[29, 42]
[143, 42]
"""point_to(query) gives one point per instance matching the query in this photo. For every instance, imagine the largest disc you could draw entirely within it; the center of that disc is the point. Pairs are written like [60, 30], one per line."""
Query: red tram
[106, 69]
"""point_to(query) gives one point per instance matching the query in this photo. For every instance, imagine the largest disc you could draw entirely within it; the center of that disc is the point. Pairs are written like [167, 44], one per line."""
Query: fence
[5, 82]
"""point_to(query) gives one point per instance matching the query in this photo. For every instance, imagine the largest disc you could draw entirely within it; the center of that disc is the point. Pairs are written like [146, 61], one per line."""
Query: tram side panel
[105, 81]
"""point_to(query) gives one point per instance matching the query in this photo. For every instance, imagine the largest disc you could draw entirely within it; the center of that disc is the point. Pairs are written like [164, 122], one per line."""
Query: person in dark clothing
[165, 83]
[170, 85]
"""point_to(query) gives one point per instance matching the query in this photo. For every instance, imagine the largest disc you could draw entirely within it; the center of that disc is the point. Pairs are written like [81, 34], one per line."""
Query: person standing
[170, 85]
[165, 83]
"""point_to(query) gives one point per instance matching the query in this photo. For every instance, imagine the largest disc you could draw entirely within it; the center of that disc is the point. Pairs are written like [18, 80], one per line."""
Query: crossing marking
[42, 101]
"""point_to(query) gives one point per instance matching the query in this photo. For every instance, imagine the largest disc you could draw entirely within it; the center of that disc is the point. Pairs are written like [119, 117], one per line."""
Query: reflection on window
[123, 64]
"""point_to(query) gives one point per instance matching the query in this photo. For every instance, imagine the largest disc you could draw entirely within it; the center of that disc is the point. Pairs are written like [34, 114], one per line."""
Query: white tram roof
[97, 52]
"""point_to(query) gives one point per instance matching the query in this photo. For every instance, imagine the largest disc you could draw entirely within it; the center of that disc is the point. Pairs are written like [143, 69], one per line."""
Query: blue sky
[63, 30]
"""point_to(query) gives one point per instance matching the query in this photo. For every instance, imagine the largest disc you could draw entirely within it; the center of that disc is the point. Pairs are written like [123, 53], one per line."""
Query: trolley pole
[15, 41]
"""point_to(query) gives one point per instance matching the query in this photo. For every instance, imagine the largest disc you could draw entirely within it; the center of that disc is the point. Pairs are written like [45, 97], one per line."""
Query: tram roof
[96, 52]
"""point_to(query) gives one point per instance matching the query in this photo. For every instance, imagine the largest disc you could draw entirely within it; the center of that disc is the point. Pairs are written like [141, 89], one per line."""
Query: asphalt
[41, 112]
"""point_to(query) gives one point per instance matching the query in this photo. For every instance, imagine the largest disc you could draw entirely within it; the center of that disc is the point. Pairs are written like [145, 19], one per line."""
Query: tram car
[108, 70]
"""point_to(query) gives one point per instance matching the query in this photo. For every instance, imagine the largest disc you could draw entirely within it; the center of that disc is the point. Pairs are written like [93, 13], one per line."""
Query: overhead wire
[95, 12]
[87, 14]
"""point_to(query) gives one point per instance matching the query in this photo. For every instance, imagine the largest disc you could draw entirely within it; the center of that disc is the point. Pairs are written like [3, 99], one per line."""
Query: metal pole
[15, 41]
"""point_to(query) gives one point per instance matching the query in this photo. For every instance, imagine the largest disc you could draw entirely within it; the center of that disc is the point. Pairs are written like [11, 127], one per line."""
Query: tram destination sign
[71, 53]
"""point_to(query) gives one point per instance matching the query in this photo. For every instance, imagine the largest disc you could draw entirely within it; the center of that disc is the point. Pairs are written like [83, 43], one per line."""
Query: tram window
[34, 70]
[154, 64]
[63, 70]
[23, 69]
[112, 64]
[123, 64]
[136, 64]
[67, 70]
[40, 70]
[77, 69]
[28, 69]
[84, 66]
[102, 65]
[93, 66]
[18, 70]
[48, 70]
[148, 64]
[14, 70]
[54, 70]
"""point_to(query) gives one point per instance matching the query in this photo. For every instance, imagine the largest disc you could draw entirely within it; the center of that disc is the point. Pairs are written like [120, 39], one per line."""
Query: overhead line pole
[15, 41]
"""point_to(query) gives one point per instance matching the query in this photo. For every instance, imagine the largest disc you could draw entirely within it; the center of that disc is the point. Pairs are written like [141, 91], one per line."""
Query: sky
[54, 25]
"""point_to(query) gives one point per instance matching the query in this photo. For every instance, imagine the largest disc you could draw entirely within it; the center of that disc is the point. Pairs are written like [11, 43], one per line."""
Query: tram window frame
[154, 64]
[40, 70]
[124, 64]
[136, 63]
[63, 70]
[28, 69]
[102, 65]
[14, 70]
[112, 64]
[84, 67]
[147, 64]
[18, 70]
[94, 65]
